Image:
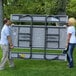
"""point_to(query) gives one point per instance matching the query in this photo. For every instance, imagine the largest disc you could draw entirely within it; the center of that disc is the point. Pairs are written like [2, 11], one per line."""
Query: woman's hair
[72, 20]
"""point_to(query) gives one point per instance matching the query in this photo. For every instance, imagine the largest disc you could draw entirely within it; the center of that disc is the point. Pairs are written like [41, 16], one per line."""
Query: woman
[71, 41]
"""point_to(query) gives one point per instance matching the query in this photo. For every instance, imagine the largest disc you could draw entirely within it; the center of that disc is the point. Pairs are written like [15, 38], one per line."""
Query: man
[6, 44]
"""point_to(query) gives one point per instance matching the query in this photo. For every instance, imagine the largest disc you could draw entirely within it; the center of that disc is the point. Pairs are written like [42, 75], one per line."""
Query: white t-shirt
[4, 33]
[71, 29]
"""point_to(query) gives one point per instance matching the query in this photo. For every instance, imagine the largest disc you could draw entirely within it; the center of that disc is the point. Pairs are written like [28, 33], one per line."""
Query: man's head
[7, 21]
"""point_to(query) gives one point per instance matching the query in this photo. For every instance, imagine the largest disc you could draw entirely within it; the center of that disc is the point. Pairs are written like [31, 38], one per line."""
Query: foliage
[71, 8]
[47, 7]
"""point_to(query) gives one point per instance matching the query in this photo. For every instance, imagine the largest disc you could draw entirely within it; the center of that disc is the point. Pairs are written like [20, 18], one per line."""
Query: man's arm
[10, 41]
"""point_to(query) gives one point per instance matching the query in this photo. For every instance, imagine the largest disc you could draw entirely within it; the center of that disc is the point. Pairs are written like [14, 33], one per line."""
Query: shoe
[1, 68]
[71, 66]
[11, 66]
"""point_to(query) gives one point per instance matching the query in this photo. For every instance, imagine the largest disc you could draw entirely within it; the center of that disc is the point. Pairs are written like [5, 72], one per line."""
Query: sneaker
[1, 68]
[11, 66]
[71, 66]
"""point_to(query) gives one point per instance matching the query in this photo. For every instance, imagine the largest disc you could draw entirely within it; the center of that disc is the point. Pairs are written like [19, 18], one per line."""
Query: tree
[1, 15]
[71, 8]
[48, 7]
[61, 6]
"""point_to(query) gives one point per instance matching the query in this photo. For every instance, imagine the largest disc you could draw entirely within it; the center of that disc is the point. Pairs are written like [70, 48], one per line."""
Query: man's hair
[5, 20]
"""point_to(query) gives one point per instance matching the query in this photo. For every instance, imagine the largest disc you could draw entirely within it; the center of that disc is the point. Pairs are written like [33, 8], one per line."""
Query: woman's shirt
[71, 30]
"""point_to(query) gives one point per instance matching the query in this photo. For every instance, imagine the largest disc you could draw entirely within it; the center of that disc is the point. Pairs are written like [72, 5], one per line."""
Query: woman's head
[71, 21]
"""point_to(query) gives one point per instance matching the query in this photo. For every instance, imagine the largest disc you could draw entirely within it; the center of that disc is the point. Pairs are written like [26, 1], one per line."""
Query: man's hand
[11, 46]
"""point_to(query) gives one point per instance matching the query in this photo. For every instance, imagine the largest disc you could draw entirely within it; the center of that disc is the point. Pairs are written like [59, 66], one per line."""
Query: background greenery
[48, 7]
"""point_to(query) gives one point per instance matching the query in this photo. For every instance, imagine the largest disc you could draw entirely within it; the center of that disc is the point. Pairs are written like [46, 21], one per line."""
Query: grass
[36, 50]
[39, 68]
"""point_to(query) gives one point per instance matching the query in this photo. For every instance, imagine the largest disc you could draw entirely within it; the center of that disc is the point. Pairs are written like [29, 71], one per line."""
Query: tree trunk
[62, 6]
[1, 15]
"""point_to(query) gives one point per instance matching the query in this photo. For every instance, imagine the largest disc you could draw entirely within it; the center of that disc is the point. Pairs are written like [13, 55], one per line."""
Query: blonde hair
[72, 20]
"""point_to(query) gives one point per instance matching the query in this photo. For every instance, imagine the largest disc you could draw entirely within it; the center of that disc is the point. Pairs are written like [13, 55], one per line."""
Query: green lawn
[39, 68]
